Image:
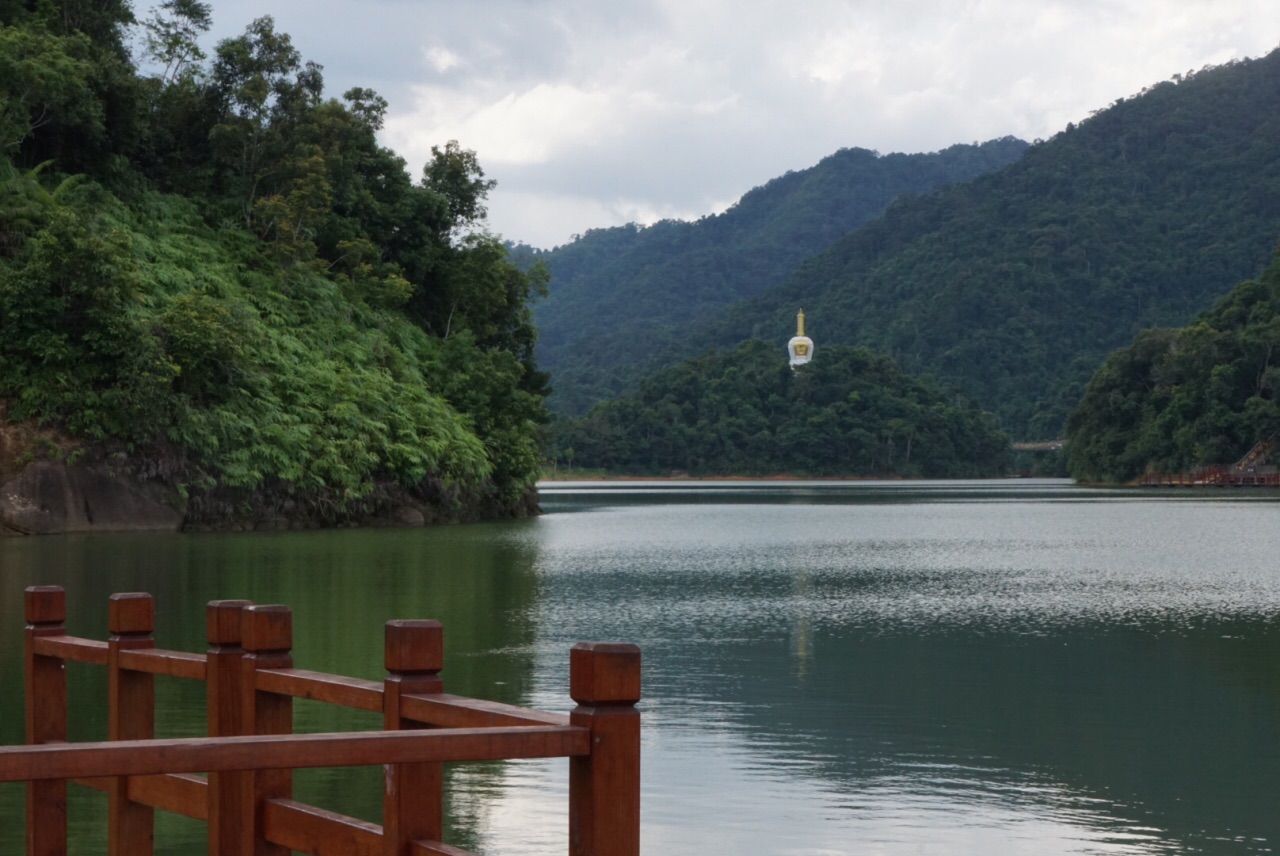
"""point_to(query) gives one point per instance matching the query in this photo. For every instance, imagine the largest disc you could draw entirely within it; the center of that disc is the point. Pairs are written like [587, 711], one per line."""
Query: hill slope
[1015, 286]
[615, 294]
[1176, 398]
[848, 412]
[215, 281]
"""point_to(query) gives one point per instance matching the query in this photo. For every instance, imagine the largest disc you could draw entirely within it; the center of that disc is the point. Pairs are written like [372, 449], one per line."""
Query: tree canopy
[1177, 398]
[620, 296]
[213, 274]
[848, 412]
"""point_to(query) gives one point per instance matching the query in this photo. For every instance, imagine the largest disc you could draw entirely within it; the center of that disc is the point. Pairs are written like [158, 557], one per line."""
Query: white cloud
[577, 214]
[659, 108]
[441, 58]
[517, 128]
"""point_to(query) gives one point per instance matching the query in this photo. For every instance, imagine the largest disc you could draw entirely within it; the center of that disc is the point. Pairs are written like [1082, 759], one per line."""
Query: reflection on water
[342, 586]
[982, 667]
[887, 668]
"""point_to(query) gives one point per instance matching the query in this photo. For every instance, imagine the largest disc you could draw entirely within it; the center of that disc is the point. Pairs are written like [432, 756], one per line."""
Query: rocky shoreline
[51, 485]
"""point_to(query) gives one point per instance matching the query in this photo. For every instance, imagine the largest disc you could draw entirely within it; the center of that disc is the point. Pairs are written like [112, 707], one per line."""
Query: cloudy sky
[593, 114]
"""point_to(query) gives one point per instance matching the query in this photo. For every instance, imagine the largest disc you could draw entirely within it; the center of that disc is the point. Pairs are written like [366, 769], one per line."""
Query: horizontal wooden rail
[453, 711]
[180, 793]
[284, 751]
[72, 648]
[298, 826]
[308, 829]
[435, 848]
[320, 686]
[157, 661]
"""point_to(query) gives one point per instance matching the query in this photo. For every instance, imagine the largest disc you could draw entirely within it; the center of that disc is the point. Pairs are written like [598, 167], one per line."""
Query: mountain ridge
[613, 288]
[1014, 286]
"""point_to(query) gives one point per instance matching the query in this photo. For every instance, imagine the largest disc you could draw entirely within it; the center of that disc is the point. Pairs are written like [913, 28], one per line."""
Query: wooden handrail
[281, 751]
[156, 661]
[319, 686]
[251, 749]
[306, 829]
[452, 711]
[436, 848]
[178, 793]
[72, 648]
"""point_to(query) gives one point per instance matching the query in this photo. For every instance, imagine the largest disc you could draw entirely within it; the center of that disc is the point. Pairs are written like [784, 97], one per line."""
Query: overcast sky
[593, 114]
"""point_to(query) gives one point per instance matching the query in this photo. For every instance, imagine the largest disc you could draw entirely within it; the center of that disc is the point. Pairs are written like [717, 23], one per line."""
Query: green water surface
[896, 668]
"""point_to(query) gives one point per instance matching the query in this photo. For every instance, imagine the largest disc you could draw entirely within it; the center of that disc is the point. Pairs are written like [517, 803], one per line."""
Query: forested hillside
[1015, 286]
[849, 412]
[213, 277]
[1176, 398]
[617, 295]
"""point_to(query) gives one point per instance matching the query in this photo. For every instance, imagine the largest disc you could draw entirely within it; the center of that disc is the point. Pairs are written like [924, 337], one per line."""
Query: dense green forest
[1176, 398]
[212, 276]
[1015, 286]
[618, 296]
[849, 412]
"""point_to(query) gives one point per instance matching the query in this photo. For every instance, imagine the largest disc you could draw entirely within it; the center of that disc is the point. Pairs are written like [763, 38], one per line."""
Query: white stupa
[801, 346]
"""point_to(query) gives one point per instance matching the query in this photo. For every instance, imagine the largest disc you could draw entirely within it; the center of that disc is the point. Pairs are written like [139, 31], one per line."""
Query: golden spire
[800, 348]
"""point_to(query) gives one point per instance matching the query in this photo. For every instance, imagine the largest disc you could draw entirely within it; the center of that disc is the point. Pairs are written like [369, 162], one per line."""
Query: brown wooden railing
[251, 750]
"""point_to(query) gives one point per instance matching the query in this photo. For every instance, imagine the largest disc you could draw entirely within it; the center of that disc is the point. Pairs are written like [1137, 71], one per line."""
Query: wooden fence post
[412, 794]
[231, 792]
[45, 680]
[130, 716]
[267, 637]
[604, 787]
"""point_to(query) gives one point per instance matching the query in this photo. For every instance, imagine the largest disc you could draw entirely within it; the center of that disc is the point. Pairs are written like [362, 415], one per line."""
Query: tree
[43, 78]
[171, 36]
[367, 105]
[744, 411]
[455, 173]
[304, 327]
[262, 88]
[1174, 399]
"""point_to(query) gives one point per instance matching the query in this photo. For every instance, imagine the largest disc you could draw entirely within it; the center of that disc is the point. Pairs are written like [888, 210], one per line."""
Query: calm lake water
[829, 668]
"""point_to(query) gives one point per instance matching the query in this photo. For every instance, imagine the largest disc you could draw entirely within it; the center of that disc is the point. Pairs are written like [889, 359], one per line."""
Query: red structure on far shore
[1250, 471]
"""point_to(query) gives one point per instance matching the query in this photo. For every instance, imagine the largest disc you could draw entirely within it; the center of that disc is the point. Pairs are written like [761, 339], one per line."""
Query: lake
[1003, 667]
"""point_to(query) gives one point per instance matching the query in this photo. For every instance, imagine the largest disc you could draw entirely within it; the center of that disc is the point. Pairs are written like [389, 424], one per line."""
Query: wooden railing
[251, 750]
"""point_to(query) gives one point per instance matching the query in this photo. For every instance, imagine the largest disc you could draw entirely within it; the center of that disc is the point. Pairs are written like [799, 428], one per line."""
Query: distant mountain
[618, 296]
[1015, 286]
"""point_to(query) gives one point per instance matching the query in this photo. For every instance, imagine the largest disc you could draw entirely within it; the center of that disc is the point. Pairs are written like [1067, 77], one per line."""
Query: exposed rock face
[48, 497]
[41, 494]
[408, 516]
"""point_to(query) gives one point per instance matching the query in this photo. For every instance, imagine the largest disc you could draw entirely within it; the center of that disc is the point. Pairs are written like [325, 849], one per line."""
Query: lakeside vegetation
[849, 412]
[213, 276]
[1176, 398]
